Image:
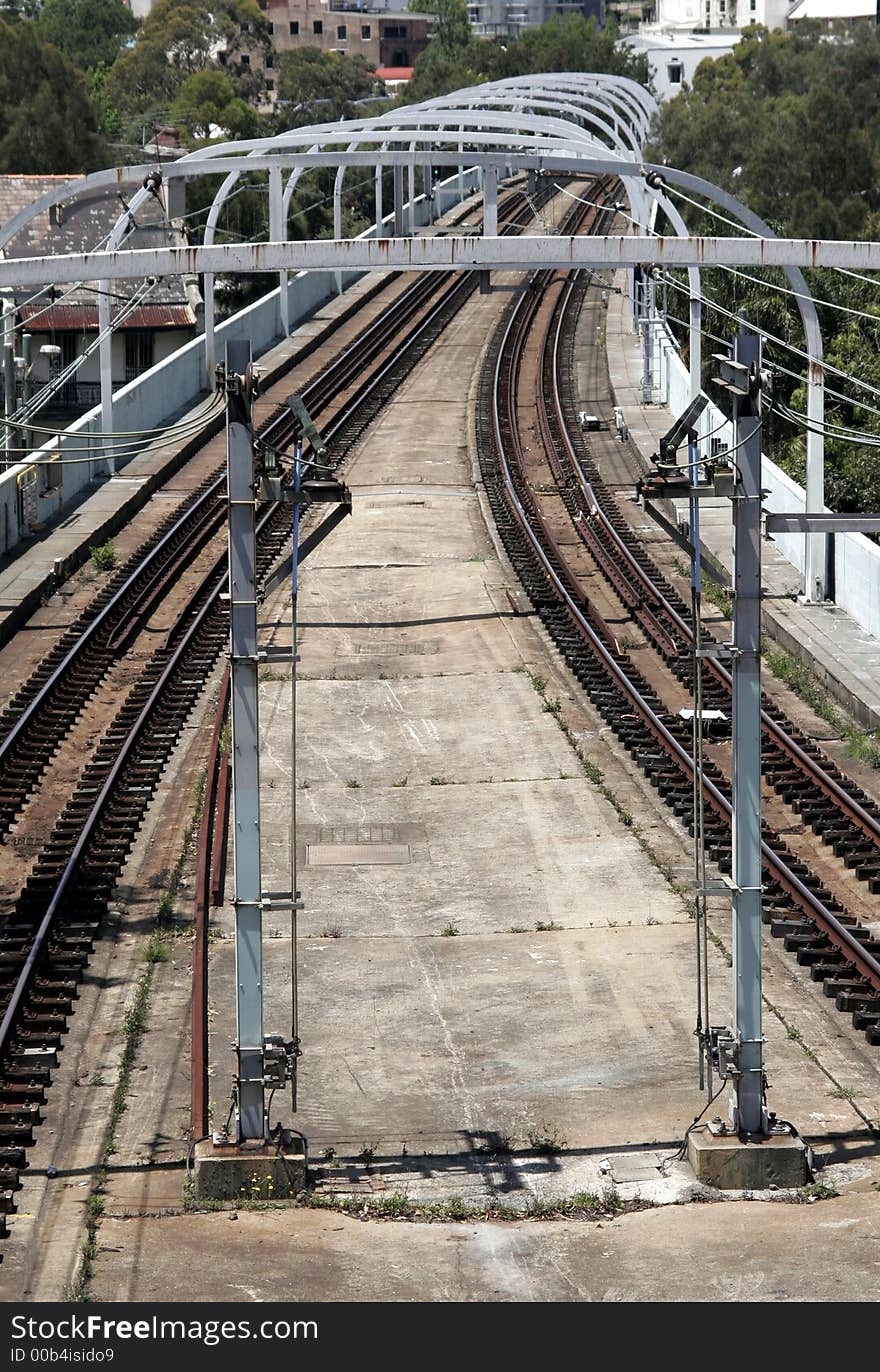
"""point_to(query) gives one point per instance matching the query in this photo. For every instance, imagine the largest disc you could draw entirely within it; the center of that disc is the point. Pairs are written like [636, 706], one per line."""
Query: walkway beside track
[843, 656]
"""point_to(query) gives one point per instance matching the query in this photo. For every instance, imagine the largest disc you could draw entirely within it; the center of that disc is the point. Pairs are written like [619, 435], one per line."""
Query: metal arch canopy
[593, 123]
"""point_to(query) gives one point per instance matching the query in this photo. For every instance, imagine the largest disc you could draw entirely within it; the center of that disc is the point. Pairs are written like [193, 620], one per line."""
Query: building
[150, 320]
[508, 18]
[385, 36]
[730, 16]
[673, 58]
[834, 11]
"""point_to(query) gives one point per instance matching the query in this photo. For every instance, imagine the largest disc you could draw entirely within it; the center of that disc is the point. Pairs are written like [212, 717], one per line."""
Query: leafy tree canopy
[790, 123]
[207, 99]
[797, 117]
[89, 32]
[50, 123]
[316, 87]
[572, 43]
[179, 37]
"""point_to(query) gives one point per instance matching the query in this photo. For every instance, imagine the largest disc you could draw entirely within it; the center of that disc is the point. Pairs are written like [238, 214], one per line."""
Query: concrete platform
[840, 652]
[743, 1252]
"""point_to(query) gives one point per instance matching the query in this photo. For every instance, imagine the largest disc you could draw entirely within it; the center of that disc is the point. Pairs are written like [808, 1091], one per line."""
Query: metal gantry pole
[9, 378]
[746, 792]
[245, 744]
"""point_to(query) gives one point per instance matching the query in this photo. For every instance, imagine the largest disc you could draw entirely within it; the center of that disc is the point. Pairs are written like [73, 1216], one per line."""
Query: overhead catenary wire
[777, 366]
[713, 304]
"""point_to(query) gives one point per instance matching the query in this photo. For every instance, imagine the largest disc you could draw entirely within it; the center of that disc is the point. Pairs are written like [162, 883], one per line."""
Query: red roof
[84, 318]
[394, 73]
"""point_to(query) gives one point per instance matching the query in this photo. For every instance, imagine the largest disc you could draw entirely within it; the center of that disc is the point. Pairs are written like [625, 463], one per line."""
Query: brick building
[385, 36]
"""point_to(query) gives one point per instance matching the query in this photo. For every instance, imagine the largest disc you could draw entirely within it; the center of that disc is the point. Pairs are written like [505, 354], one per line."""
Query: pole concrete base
[249, 1172]
[721, 1160]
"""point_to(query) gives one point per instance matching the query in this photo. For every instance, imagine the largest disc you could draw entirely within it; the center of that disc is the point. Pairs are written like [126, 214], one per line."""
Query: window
[394, 31]
[400, 58]
[341, 32]
[245, 60]
[675, 72]
[138, 352]
[294, 27]
[366, 31]
[270, 82]
[753, 6]
[269, 61]
[318, 26]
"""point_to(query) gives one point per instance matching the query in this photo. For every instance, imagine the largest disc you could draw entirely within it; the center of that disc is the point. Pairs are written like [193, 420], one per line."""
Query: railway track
[563, 531]
[48, 935]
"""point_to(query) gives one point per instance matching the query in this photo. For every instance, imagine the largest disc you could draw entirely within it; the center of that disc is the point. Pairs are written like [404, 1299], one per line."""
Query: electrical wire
[796, 376]
[196, 418]
[712, 304]
[46, 392]
[772, 338]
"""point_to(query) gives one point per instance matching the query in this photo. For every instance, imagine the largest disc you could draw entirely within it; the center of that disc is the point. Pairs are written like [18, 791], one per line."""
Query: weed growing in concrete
[546, 1139]
[333, 931]
[816, 1191]
[519, 929]
[552, 707]
[862, 744]
[353, 784]
[844, 1093]
[154, 948]
[328, 1155]
[584, 1205]
[438, 781]
[450, 930]
[402, 781]
[225, 739]
[367, 1154]
[546, 926]
[104, 557]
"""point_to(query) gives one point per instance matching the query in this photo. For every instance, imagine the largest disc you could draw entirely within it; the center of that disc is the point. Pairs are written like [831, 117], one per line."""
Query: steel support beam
[750, 1114]
[453, 253]
[248, 899]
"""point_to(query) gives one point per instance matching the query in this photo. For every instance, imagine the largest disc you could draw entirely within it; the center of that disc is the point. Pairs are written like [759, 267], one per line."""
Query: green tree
[89, 32]
[316, 87]
[452, 31]
[50, 124]
[180, 37]
[208, 98]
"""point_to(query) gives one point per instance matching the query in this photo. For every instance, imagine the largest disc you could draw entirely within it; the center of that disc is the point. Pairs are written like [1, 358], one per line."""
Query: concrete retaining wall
[856, 560]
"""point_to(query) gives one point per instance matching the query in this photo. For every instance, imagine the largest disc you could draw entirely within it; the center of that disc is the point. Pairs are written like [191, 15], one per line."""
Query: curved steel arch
[563, 116]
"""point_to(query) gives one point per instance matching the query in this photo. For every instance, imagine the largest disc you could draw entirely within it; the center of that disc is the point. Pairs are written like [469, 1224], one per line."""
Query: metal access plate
[356, 854]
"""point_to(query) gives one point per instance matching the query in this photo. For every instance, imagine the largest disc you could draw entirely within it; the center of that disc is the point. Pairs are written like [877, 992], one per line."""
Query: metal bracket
[721, 652]
[281, 900]
[715, 886]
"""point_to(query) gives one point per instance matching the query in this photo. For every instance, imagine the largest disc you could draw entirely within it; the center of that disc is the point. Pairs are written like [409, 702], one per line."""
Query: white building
[728, 15]
[674, 57]
[849, 11]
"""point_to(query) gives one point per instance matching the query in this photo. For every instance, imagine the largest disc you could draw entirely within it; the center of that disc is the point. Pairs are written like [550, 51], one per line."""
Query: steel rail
[836, 932]
[868, 823]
